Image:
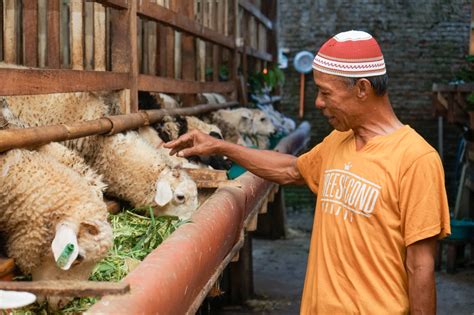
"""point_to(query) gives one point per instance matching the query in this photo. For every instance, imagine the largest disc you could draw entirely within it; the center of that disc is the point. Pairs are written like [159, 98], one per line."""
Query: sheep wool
[37, 193]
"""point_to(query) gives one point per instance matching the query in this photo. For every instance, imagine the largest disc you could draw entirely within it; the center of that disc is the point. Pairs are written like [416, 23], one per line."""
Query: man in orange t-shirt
[381, 199]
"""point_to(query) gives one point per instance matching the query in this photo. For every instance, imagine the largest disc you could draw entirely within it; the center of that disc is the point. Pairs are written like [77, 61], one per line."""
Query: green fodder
[135, 236]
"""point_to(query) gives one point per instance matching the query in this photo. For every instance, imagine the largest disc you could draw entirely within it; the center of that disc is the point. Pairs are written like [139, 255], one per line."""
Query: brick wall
[422, 41]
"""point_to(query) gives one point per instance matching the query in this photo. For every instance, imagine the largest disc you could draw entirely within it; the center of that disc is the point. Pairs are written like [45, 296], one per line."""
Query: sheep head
[176, 194]
[90, 242]
[261, 123]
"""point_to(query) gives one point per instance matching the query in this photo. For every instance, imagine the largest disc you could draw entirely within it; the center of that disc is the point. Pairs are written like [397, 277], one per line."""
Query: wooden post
[151, 53]
[234, 29]
[124, 50]
[53, 55]
[272, 224]
[201, 45]
[9, 37]
[77, 54]
[89, 35]
[188, 56]
[99, 37]
[42, 31]
[241, 274]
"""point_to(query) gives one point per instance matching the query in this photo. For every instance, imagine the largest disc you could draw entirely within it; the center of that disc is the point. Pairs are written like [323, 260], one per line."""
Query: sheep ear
[164, 194]
[64, 246]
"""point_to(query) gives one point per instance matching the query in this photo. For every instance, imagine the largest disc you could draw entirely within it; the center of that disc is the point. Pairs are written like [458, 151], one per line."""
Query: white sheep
[43, 206]
[282, 123]
[129, 165]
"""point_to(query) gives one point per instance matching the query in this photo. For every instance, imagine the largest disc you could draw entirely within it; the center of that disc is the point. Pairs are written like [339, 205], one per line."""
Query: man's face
[336, 100]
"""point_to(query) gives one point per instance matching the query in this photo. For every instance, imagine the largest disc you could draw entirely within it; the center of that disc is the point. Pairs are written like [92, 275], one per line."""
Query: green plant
[466, 73]
[266, 81]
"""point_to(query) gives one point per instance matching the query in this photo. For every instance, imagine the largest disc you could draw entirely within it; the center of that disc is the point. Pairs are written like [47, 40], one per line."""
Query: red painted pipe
[171, 277]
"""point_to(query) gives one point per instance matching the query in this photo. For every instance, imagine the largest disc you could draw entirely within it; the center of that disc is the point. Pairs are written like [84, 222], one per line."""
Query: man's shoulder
[413, 146]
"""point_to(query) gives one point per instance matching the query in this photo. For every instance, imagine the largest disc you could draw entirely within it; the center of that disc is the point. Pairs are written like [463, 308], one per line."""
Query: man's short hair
[379, 83]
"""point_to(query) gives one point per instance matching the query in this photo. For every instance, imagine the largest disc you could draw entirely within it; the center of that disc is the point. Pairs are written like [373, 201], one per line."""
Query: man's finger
[180, 141]
[187, 152]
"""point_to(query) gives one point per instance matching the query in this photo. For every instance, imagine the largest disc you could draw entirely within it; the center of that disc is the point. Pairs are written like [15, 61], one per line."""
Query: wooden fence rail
[171, 46]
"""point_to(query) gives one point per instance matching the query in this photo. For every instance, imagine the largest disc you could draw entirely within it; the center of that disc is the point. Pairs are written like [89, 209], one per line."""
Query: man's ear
[363, 89]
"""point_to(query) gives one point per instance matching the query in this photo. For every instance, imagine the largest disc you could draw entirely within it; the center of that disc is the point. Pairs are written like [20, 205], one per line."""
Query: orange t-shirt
[371, 205]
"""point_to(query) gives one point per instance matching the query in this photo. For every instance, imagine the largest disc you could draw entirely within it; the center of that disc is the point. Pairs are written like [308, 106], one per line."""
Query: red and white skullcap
[354, 54]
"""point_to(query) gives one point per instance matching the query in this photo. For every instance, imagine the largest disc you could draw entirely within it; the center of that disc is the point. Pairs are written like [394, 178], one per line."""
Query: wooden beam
[174, 86]
[30, 32]
[116, 4]
[99, 37]
[133, 55]
[183, 24]
[27, 82]
[53, 53]
[9, 31]
[76, 32]
[252, 9]
[262, 55]
[67, 287]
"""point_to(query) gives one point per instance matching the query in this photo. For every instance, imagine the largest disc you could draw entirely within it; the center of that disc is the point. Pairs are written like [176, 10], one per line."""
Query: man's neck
[379, 121]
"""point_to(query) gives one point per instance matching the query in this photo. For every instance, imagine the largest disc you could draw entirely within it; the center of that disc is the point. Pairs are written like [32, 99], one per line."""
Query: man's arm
[421, 279]
[277, 167]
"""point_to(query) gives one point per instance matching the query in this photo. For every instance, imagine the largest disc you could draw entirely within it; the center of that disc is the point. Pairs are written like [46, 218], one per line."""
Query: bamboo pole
[36, 136]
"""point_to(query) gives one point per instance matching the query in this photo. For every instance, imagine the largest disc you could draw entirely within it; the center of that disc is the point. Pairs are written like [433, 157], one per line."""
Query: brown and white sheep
[38, 196]
[129, 165]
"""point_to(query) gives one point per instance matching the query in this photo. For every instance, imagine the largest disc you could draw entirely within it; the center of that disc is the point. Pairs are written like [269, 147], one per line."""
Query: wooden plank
[116, 4]
[89, 35]
[262, 55]
[119, 33]
[76, 31]
[188, 56]
[1, 31]
[99, 37]
[183, 24]
[219, 27]
[201, 45]
[26, 82]
[175, 86]
[254, 11]
[133, 55]
[42, 32]
[206, 174]
[9, 31]
[67, 287]
[53, 54]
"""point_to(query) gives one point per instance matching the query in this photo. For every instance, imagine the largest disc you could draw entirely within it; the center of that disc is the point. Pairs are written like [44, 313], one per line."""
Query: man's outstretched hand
[193, 143]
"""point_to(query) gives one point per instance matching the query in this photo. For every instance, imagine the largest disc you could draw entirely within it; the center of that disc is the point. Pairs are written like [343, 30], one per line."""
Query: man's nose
[318, 102]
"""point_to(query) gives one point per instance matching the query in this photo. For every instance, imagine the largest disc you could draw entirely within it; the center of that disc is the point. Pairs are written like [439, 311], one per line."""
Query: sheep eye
[262, 119]
[180, 198]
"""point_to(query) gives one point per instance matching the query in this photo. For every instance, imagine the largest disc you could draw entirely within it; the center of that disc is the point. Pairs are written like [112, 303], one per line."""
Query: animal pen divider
[181, 47]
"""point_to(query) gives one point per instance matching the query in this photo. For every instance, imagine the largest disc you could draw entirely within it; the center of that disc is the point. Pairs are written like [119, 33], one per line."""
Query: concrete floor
[279, 269]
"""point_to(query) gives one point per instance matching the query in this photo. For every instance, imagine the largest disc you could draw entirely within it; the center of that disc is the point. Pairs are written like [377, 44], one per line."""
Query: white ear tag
[164, 194]
[64, 246]
[15, 299]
